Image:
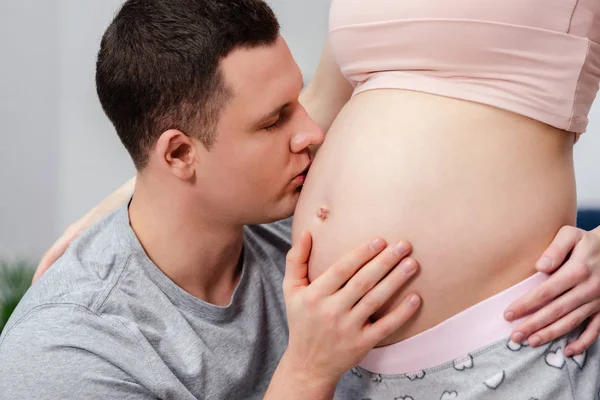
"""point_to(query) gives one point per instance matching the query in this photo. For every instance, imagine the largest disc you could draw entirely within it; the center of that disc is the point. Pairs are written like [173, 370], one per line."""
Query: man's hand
[329, 319]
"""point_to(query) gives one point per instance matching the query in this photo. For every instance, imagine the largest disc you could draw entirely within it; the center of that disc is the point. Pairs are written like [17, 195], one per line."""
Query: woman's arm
[327, 92]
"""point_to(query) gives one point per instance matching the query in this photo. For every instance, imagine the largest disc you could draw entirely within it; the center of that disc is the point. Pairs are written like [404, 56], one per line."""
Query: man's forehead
[262, 76]
[258, 66]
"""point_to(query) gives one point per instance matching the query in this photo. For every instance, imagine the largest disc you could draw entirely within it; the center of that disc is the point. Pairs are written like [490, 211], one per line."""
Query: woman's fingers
[564, 325]
[587, 338]
[567, 277]
[556, 254]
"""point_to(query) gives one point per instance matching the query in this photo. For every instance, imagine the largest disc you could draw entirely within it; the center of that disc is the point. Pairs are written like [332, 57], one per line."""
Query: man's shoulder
[54, 323]
[51, 328]
[85, 275]
[57, 350]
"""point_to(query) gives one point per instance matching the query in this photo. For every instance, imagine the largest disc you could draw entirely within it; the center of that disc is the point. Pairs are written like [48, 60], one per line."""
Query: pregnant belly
[479, 193]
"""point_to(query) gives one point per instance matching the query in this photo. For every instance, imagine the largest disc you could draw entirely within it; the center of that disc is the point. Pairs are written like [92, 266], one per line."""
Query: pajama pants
[449, 366]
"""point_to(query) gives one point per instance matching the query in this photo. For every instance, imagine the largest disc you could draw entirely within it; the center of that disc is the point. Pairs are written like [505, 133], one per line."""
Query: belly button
[323, 213]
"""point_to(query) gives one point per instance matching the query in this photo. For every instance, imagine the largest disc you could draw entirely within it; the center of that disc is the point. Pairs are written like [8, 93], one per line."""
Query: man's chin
[276, 212]
[284, 213]
[286, 208]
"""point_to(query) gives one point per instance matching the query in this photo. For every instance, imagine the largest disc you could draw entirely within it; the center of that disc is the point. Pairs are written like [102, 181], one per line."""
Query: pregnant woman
[453, 125]
[454, 128]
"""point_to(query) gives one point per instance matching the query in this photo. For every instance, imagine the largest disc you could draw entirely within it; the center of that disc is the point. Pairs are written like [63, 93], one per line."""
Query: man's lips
[301, 177]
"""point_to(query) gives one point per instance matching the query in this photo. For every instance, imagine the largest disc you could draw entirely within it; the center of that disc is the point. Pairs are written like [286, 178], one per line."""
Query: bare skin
[481, 193]
[496, 187]
[573, 291]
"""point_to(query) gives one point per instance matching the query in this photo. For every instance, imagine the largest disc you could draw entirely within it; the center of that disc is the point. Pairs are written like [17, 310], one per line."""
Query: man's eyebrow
[273, 113]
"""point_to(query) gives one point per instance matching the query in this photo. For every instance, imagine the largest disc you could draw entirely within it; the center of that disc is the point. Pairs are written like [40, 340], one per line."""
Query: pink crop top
[538, 58]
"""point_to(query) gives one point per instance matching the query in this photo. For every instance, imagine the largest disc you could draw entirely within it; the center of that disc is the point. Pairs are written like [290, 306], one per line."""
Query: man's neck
[202, 257]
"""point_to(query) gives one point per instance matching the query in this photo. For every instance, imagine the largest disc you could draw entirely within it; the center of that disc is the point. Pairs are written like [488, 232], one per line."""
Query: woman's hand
[568, 298]
[108, 205]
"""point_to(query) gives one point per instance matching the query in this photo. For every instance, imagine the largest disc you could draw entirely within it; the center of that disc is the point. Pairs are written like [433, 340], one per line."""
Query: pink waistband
[467, 331]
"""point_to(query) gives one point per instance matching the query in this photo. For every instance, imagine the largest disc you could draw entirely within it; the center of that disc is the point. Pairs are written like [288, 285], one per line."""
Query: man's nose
[309, 134]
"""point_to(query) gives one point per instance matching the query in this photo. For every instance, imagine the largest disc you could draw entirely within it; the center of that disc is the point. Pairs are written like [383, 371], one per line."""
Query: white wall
[304, 26]
[29, 114]
[59, 154]
[93, 162]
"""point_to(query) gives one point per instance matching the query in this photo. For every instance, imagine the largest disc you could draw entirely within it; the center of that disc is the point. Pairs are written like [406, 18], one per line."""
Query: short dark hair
[158, 67]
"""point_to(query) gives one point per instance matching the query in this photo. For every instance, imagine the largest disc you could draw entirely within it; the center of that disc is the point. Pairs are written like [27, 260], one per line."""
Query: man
[178, 293]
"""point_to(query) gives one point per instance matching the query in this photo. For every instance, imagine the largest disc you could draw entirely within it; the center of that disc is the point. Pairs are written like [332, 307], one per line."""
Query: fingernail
[545, 263]
[509, 315]
[377, 244]
[401, 248]
[535, 341]
[518, 337]
[408, 267]
[414, 300]
[568, 352]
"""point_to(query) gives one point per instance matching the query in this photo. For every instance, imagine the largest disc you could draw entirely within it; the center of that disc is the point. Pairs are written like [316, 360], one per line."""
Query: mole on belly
[323, 213]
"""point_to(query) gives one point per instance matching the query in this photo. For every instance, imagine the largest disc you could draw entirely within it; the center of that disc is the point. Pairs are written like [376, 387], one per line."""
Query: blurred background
[59, 155]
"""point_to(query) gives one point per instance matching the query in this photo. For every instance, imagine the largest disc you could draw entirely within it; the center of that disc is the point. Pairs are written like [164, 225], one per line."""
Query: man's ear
[177, 152]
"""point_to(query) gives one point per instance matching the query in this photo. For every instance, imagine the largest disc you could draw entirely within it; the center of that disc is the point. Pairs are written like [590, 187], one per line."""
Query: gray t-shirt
[105, 323]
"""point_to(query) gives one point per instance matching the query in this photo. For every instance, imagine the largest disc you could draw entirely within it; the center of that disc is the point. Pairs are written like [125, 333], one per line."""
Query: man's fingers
[296, 269]
[555, 255]
[390, 323]
[337, 275]
[369, 276]
[300, 251]
[384, 290]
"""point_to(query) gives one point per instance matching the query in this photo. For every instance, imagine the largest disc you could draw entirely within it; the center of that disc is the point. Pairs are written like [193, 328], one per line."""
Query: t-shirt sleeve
[68, 352]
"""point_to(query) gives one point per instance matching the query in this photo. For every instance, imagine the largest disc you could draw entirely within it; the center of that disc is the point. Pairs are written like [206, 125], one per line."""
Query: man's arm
[330, 319]
[65, 352]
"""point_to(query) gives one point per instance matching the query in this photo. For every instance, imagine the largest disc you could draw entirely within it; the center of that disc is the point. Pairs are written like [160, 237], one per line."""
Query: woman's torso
[479, 193]
[479, 190]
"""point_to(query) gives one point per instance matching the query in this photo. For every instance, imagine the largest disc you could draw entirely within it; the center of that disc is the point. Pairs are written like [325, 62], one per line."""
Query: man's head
[205, 92]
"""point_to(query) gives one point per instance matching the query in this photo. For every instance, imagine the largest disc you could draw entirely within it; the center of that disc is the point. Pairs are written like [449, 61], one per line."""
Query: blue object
[588, 218]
